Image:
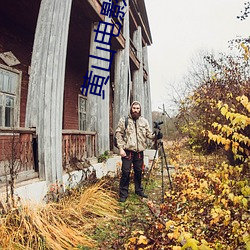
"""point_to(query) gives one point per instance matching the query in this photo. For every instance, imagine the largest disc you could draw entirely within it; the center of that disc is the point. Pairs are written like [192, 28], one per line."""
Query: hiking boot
[142, 195]
[122, 199]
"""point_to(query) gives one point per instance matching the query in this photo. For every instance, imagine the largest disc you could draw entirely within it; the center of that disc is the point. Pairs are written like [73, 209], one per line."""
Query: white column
[98, 108]
[138, 85]
[45, 95]
[148, 113]
[122, 76]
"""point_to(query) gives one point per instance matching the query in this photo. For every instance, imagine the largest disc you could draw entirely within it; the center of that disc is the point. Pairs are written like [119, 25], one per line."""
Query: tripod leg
[150, 170]
[162, 178]
[165, 158]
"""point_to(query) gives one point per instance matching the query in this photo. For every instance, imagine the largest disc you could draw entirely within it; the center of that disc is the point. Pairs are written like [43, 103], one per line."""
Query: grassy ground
[136, 215]
[139, 217]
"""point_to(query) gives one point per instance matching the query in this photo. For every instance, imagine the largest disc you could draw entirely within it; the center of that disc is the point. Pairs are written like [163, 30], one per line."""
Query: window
[82, 101]
[9, 97]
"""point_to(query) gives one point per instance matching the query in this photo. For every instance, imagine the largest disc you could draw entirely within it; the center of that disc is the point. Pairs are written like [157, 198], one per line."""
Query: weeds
[62, 225]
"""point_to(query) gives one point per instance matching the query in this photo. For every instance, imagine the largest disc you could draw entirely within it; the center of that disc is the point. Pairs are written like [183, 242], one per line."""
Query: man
[131, 142]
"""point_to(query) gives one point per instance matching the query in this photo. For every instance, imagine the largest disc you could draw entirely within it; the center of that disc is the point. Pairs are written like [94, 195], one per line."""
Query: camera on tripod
[159, 148]
[157, 131]
[157, 125]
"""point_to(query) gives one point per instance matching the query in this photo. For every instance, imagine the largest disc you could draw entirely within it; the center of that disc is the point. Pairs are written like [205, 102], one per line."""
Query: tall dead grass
[62, 225]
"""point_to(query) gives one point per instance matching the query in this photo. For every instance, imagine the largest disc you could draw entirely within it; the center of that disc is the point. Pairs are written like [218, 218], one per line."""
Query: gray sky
[180, 29]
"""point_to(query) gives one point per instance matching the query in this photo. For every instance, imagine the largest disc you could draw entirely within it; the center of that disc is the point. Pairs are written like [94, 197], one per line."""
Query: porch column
[138, 86]
[97, 107]
[148, 107]
[122, 75]
[45, 95]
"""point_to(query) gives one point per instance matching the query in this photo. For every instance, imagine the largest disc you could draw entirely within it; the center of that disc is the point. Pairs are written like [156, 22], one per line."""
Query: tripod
[159, 148]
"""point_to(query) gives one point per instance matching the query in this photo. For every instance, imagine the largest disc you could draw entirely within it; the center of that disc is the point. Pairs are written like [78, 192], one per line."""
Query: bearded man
[132, 141]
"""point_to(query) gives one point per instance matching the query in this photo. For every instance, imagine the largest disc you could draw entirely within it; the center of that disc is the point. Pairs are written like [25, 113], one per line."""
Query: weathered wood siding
[17, 152]
[45, 96]
[20, 44]
[74, 145]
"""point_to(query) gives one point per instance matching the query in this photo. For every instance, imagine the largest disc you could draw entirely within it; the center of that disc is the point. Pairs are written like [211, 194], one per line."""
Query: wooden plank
[118, 42]
[135, 62]
[77, 132]
[17, 130]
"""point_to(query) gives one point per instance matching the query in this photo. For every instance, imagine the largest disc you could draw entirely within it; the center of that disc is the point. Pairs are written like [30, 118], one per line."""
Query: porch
[19, 152]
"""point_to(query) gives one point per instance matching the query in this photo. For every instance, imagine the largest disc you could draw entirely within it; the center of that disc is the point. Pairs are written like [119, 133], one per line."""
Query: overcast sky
[181, 28]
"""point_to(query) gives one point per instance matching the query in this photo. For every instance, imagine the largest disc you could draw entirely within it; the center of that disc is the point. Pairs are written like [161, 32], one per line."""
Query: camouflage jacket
[136, 134]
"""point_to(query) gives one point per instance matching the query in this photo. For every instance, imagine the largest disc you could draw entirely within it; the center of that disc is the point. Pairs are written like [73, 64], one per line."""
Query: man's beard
[135, 115]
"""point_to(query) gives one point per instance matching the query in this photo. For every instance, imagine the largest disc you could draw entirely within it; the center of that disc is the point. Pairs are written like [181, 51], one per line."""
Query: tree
[220, 78]
[246, 12]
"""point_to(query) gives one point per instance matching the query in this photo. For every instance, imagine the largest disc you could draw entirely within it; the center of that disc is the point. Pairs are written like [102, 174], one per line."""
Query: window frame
[80, 97]
[17, 96]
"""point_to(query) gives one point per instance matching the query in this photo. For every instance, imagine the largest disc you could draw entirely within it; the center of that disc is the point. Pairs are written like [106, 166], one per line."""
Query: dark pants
[135, 158]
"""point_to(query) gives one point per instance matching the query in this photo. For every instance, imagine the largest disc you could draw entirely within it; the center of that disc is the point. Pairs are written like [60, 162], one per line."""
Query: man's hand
[122, 152]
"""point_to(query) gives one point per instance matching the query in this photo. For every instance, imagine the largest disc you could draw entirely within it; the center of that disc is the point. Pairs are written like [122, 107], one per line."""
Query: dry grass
[62, 225]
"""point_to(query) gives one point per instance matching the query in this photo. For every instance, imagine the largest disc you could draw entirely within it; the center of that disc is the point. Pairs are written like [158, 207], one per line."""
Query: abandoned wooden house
[45, 48]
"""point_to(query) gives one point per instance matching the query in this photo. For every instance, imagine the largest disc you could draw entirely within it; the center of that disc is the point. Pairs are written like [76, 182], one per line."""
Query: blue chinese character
[123, 2]
[105, 33]
[96, 87]
[111, 10]
[104, 59]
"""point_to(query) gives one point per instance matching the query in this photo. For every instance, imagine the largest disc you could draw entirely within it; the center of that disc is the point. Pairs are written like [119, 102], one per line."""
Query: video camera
[157, 125]
[157, 131]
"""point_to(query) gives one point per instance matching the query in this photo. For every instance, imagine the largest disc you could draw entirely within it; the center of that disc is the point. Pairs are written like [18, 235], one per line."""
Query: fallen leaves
[208, 208]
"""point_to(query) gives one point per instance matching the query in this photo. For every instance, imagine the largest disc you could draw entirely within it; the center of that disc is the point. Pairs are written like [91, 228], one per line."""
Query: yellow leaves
[201, 211]
[224, 202]
[214, 76]
[137, 232]
[227, 219]
[175, 235]
[185, 218]
[169, 224]
[245, 203]
[224, 111]
[142, 240]
[184, 237]
[191, 243]
[236, 226]
[246, 239]
[238, 200]
[184, 199]
[138, 239]
[246, 51]
[219, 104]
[231, 196]
[216, 215]
[133, 240]
[229, 135]
[203, 184]
[227, 146]
[176, 248]
[204, 245]
[245, 191]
